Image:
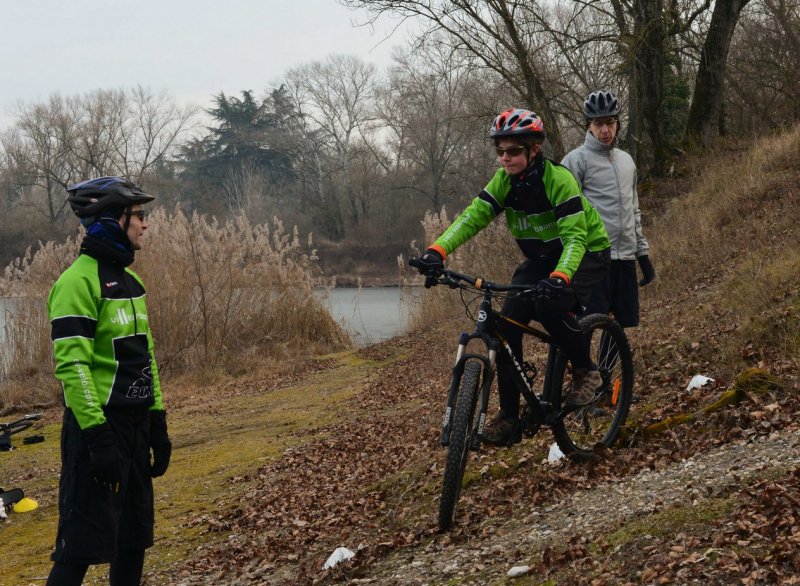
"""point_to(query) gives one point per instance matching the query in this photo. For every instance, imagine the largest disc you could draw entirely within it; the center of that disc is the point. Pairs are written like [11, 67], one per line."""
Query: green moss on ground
[671, 521]
[214, 440]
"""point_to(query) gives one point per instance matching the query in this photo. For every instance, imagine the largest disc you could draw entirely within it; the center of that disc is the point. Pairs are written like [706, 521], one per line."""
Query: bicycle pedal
[531, 429]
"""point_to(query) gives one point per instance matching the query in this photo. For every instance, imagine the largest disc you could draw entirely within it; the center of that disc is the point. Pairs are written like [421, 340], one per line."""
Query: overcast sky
[193, 49]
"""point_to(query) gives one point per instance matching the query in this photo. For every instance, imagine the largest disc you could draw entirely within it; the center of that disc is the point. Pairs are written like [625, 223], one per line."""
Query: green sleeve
[477, 215]
[72, 308]
[565, 195]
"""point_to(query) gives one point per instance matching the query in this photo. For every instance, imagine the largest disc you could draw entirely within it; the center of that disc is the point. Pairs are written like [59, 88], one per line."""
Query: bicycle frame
[486, 330]
[577, 429]
[9, 429]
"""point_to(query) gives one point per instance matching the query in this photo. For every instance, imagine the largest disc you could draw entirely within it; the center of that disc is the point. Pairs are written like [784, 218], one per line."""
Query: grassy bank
[218, 436]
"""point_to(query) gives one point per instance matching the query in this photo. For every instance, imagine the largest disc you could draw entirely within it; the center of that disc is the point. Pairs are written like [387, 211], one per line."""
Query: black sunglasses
[141, 214]
[514, 151]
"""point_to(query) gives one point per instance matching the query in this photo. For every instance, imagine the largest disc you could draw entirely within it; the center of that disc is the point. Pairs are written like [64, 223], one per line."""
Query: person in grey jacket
[607, 176]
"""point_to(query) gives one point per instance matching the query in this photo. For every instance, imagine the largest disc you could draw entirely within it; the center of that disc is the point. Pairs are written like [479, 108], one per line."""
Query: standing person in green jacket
[114, 414]
[607, 177]
[566, 250]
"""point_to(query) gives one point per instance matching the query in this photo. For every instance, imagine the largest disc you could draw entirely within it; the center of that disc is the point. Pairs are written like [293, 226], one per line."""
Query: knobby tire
[581, 431]
[460, 439]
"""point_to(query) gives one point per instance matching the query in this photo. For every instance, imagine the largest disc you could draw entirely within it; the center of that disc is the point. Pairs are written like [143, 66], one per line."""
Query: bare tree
[335, 97]
[150, 130]
[106, 132]
[427, 108]
[704, 114]
[503, 34]
[763, 82]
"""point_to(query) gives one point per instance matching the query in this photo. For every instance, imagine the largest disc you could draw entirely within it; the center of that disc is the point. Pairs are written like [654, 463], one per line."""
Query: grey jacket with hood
[607, 176]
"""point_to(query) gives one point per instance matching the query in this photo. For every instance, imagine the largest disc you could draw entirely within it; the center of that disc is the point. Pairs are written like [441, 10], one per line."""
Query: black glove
[429, 264]
[103, 455]
[551, 288]
[648, 271]
[159, 443]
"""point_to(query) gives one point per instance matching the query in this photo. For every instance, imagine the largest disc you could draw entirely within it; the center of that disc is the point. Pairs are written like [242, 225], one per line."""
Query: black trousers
[618, 293]
[95, 523]
[556, 315]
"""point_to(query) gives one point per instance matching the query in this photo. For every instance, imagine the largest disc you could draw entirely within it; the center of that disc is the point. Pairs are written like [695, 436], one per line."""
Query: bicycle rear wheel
[600, 421]
[460, 439]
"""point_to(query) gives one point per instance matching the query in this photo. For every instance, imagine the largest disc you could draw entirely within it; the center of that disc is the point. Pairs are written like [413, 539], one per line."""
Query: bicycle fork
[487, 374]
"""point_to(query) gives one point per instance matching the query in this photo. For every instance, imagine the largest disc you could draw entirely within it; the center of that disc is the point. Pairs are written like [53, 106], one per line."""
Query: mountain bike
[578, 431]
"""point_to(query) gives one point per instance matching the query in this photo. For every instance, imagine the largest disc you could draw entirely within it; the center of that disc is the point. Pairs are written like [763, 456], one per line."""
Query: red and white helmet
[517, 122]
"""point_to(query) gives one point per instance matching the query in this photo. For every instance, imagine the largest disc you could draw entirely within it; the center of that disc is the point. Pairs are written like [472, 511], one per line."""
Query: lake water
[369, 315]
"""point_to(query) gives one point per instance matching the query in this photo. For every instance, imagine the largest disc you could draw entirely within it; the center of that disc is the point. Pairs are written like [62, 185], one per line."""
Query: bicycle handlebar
[455, 279]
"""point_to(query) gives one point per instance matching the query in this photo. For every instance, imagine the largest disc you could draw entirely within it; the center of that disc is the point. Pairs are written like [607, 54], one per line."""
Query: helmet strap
[127, 213]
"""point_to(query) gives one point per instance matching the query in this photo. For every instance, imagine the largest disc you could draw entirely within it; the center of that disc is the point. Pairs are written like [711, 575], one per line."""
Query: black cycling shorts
[618, 294]
[93, 522]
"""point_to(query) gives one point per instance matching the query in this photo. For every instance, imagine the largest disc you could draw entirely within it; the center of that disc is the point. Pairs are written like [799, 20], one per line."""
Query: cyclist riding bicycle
[566, 250]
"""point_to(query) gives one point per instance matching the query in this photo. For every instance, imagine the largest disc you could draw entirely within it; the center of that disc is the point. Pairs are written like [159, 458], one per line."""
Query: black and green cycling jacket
[102, 343]
[545, 212]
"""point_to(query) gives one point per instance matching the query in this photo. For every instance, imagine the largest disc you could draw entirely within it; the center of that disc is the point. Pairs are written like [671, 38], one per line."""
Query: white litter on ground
[340, 554]
[698, 381]
[517, 571]
[555, 453]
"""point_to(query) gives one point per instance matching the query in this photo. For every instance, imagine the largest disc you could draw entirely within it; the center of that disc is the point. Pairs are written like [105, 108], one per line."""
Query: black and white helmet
[89, 198]
[600, 104]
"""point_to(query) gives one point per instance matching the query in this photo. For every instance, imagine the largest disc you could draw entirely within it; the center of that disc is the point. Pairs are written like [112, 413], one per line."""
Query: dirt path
[699, 482]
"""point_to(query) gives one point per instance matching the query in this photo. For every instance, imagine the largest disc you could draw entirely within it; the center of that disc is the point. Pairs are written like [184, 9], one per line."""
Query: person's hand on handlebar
[429, 264]
[551, 288]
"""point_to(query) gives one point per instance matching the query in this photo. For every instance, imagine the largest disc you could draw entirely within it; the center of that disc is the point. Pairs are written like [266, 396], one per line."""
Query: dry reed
[492, 254]
[218, 294]
[727, 258]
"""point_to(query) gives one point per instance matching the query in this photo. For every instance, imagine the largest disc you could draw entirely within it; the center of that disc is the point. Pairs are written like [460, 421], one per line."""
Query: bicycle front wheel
[599, 422]
[464, 421]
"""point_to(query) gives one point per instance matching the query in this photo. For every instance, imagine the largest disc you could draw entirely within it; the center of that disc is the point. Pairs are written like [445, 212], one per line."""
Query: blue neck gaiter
[105, 240]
